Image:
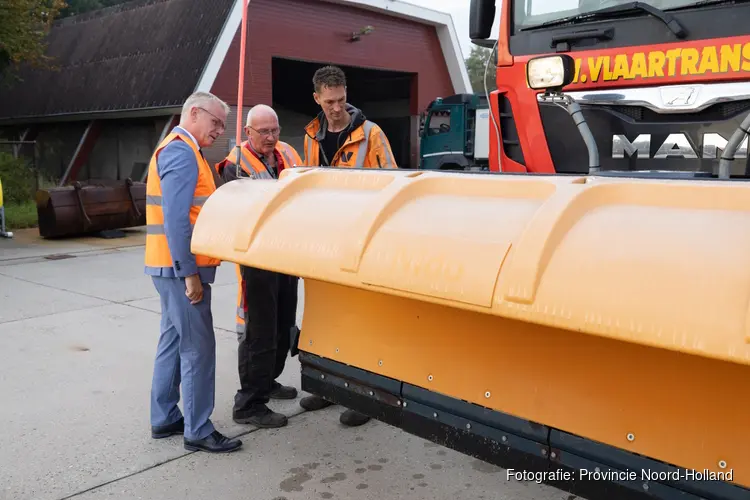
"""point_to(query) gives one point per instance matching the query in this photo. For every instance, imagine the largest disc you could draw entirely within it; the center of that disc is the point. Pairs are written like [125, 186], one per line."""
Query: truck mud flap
[592, 321]
[86, 208]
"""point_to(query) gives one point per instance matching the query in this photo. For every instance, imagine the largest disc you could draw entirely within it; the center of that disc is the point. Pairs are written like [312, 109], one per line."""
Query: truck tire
[452, 166]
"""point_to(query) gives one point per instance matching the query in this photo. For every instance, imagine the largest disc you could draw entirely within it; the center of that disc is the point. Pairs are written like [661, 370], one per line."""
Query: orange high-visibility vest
[254, 167]
[365, 147]
[157, 249]
[240, 314]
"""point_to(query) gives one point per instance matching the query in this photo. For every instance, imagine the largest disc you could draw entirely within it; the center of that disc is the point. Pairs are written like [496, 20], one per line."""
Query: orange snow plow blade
[593, 331]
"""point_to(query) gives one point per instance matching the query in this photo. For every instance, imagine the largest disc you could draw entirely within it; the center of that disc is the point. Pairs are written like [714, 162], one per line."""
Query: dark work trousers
[271, 300]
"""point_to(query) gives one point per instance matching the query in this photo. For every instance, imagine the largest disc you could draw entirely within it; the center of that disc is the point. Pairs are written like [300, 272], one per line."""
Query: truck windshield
[528, 13]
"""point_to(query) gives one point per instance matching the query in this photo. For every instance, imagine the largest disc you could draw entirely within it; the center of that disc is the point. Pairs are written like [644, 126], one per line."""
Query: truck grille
[719, 111]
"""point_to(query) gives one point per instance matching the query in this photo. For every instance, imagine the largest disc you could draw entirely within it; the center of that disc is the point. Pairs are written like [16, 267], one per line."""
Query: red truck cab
[663, 85]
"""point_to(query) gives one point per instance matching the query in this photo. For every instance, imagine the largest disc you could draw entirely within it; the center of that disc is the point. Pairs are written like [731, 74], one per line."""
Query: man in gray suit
[179, 182]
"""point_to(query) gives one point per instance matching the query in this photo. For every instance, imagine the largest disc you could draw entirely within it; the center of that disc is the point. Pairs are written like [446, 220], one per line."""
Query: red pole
[241, 82]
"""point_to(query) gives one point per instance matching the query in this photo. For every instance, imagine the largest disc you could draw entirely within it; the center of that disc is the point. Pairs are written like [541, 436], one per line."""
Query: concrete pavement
[79, 324]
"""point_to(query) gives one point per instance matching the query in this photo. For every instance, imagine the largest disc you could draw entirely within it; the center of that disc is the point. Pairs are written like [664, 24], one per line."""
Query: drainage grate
[59, 256]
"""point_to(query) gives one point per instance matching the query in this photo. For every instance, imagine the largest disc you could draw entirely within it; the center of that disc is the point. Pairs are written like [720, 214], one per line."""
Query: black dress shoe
[215, 442]
[164, 431]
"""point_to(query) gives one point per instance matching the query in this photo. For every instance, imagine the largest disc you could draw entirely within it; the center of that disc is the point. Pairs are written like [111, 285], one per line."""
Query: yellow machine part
[615, 309]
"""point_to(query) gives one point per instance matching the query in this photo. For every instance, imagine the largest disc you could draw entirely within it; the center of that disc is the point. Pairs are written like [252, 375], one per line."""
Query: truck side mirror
[481, 17]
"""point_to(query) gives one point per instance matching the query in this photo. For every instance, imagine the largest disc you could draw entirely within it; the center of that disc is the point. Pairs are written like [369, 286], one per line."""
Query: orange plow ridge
[591, 332]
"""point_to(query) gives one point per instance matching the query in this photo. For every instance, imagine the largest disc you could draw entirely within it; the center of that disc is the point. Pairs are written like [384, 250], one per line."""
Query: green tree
[475, 66]
[82, 6]
[79, 7]
[24, 25]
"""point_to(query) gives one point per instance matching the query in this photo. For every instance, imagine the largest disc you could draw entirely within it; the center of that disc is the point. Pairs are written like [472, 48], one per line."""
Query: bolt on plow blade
[591, 333]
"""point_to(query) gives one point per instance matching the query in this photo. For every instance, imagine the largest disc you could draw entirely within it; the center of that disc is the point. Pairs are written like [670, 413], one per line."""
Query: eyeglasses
[274, 132]
[218, 123]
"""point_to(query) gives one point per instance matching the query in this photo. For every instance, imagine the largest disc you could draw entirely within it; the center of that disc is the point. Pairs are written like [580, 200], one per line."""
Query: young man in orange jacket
[341, 136]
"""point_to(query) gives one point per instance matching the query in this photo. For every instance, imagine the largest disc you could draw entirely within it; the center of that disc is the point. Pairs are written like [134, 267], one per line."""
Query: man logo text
[674, 146]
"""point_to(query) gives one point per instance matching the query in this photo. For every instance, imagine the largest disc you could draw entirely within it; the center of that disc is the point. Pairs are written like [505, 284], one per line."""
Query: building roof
[150, 55]
[139, 55]
[442, 21]
[446, 31]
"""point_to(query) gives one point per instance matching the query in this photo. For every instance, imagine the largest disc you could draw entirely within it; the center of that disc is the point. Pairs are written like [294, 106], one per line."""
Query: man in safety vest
[341, 136]
[263, 152]
[267, 300]
[179, 182]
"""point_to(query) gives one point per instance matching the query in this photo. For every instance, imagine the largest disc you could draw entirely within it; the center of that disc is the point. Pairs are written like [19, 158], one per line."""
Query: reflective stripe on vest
[240, 313]
[311, 145]
[157, 247]
[288, 163]
[155, 200]
[246, 164]
[362, 150]
[240, 325]
[389, 161]
[247, 160]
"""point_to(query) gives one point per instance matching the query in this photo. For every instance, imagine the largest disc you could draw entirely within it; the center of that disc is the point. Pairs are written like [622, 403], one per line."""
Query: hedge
[18, 180]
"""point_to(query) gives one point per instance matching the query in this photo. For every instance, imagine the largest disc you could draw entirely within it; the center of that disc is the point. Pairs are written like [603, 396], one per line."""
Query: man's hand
[194, 290]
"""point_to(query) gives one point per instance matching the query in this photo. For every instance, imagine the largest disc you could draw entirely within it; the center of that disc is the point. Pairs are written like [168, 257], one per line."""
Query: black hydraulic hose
[734, 142]
[575, 112]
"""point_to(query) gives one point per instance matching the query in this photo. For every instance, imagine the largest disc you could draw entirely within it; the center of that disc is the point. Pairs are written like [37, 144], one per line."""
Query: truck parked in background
[455, 133]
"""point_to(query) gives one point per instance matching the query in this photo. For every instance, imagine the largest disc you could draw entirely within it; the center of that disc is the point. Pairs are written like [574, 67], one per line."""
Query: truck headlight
[550, 72]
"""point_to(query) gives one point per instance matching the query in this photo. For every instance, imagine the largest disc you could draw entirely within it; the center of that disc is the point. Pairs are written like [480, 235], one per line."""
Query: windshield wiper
[703, 3]
[614, 11]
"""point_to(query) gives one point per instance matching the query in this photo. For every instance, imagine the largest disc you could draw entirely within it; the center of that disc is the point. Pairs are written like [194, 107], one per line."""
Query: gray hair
[260, 107]
[200, 99]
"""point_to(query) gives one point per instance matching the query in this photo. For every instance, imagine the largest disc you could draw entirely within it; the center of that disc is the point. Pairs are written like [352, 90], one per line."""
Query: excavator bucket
[592, 333]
